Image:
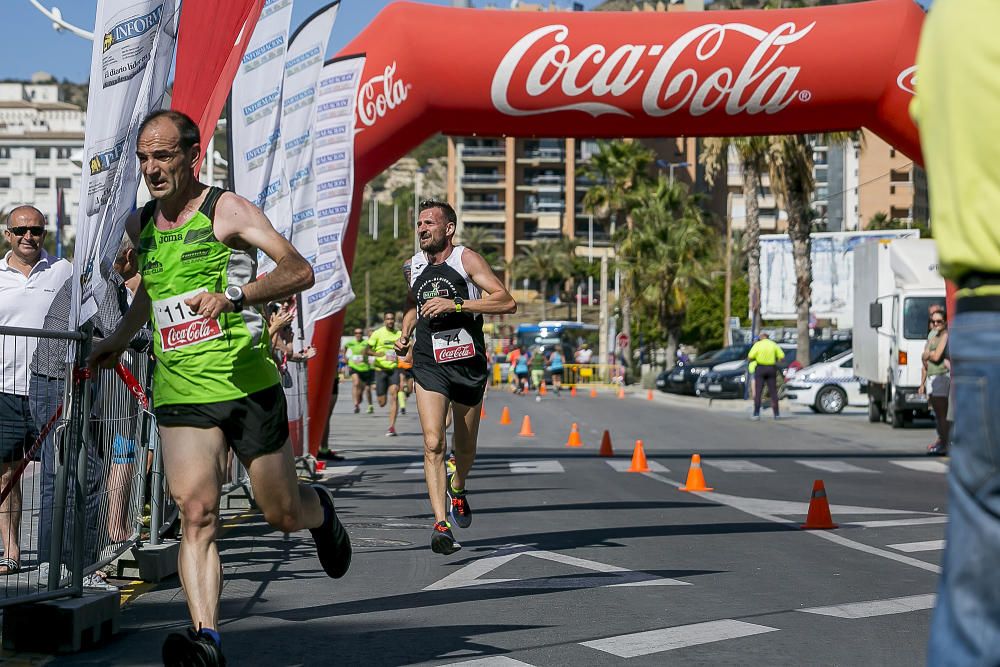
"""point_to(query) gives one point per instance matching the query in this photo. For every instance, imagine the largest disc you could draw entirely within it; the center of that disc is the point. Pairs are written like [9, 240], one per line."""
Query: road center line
[742, 504]
[668, 639]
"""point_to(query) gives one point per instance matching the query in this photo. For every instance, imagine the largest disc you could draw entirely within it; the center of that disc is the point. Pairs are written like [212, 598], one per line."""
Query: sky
[31, 45]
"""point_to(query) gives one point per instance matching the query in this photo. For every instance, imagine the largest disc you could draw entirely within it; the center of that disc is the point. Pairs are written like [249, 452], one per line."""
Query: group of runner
[374, 361]
[216, 386]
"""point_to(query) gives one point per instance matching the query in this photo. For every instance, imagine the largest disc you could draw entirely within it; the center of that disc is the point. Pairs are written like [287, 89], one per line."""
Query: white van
[827, 387]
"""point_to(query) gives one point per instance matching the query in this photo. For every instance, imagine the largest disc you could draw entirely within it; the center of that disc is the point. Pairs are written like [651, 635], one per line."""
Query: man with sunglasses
[29, 281]
[450, 289]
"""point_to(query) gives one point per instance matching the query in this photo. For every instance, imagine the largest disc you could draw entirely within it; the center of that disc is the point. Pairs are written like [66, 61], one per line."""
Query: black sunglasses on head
[937, 321]
[21, 231]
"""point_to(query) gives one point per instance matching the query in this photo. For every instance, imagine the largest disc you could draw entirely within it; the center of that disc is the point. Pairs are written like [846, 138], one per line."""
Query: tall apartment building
[41, 144]
[889, 183]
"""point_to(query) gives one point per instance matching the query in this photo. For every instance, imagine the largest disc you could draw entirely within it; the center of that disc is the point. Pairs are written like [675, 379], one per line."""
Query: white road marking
[876, 607]
[535, 467]
[668, 639]
[415, 468]
[622, 465]
[900, 522]
[923, 466]
[834, 466]
[755, 507]
[336, 471]
[492, 661]
[471, 574]
[911, 547]
[735, 465]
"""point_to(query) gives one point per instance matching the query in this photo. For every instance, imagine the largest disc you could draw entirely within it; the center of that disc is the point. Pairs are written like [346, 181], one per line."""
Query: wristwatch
[235, 295]
[458, 304]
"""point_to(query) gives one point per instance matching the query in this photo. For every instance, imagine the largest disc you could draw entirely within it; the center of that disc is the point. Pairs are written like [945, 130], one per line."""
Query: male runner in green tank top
[356, 353]
[215, 386]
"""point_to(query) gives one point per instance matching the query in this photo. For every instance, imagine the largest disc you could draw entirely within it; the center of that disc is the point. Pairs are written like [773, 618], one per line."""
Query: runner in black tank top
[451, 288]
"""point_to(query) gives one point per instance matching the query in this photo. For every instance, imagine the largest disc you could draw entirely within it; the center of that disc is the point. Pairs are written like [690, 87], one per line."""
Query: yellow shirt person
[765, 352]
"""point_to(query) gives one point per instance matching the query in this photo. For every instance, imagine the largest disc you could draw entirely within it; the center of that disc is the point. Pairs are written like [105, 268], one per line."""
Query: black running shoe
[442, 541]
[329, 455]
[333, 544]
[191, 649]
[937, 449]
[458, 506]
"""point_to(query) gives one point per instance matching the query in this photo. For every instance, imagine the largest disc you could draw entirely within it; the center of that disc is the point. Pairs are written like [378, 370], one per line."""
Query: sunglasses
[937, 321]
[21, 231]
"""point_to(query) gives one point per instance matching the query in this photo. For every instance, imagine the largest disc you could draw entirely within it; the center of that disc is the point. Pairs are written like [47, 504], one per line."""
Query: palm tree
[752, 153]
[669, 251]
[791, 167]
[620, 169]
[543, 261]
[479, 239]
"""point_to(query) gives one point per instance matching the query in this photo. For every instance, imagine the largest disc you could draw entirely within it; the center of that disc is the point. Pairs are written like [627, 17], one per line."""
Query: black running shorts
[366, 377]
[253, 425]
[385, 379]
[460, 384]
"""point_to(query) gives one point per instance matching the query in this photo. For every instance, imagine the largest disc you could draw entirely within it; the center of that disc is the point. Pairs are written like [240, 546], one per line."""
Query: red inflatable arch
[619, 74]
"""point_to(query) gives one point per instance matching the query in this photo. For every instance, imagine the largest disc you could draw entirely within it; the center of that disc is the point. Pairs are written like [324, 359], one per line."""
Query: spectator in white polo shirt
[29, 279]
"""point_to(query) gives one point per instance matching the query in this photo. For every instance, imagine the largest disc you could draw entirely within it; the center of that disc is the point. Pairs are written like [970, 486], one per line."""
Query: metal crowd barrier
[574, 375]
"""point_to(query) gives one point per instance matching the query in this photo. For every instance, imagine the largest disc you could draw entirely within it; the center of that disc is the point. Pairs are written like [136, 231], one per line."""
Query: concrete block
[156, 563]
[62, 626]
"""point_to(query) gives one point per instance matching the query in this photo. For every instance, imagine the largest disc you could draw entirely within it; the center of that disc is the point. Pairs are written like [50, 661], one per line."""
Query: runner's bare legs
[433, 409]
[464, 440]
[195, 462]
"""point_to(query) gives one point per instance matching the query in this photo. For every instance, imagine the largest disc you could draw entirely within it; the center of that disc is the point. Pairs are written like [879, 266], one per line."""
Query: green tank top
[935, 367]
[201, 360]
[356, 357]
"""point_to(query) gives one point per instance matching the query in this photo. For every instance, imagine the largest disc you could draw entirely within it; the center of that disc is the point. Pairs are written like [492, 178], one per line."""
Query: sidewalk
[697, 402]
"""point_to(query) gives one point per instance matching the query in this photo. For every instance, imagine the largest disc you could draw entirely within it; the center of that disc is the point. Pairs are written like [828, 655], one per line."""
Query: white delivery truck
[895, 284]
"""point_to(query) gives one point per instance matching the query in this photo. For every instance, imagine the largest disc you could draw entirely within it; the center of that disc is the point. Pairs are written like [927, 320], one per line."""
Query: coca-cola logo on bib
[456, 353]
[543, 67]
[380, 95]
[182, 335]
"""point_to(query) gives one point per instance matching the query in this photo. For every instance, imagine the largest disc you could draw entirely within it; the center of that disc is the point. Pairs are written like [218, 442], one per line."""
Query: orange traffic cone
[696, 478]
[638, 459]
[819, 510]
[606, 445]
[649, 395]
[482, 410]
[505, 416]
[593, 392]
[526, 431]
[574, 437]
[542, 391]
[572, 391]
[621, 392]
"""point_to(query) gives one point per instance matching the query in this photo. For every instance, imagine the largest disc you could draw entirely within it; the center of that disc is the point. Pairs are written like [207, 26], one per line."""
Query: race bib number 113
[179, 326]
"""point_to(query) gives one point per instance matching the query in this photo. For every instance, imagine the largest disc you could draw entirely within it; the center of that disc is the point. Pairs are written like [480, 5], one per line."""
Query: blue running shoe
[458, 506]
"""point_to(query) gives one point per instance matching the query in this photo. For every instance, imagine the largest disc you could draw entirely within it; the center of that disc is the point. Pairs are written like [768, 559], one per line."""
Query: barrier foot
[63, 626]
[157, 562]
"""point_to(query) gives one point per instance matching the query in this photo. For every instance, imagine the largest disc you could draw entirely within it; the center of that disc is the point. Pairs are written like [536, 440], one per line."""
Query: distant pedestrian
[766, 354]
[935, 379]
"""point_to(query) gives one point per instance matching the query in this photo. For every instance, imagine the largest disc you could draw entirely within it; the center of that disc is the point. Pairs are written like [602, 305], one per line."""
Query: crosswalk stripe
[876, 607]
[416, 468]
[536, 467]
[735, 465]
[834, 466]
[622, 465]
[668, 639]
[492, 661]
[923, 466]
[911, 547]
[890, 523]
[337, 471]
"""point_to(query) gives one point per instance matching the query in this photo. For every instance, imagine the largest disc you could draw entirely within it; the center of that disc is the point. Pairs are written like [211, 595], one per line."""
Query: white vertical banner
[133, 49]
[333, 169]
[303, 66]
[255, 121]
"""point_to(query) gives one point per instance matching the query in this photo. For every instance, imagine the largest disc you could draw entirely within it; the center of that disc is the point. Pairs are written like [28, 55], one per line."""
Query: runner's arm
[240, 224]
[409, 316]
[498, 300]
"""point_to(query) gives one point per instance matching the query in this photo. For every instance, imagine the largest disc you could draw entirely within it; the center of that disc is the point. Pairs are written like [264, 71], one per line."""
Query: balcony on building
[531, 231]
[484, 150]
[601, 230]
[542, 180]
[483, 179]
[543, 150]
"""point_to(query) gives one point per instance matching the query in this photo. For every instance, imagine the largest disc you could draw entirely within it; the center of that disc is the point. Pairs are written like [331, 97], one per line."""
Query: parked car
[682, 377]
[729, 380]
[827, 387]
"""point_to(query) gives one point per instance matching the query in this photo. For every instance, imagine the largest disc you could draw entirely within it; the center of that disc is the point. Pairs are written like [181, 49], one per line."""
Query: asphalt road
[572, 561]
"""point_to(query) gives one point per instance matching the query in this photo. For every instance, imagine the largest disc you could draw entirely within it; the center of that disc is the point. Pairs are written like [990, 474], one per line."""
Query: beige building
[890, 183]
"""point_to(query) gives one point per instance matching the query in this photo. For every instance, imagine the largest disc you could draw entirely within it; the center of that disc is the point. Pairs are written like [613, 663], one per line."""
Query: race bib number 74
[179, 326]
[452, 345]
